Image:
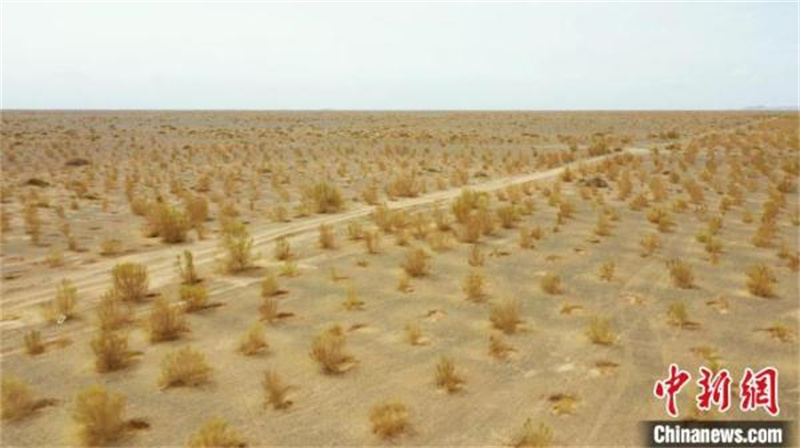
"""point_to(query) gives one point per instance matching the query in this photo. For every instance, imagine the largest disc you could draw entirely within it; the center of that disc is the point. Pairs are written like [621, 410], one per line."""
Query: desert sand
[570, 257]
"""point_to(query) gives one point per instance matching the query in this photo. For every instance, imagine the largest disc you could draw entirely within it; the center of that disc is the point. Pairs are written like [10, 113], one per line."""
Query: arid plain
[388, 278]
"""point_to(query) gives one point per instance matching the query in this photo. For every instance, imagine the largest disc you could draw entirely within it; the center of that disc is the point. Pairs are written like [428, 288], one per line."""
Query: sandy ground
[552, 354]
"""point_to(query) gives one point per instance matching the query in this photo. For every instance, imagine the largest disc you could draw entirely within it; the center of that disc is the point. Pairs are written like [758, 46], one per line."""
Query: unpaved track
[93, 280]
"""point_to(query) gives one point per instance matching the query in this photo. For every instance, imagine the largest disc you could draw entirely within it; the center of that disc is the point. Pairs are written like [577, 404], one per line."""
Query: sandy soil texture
[559, 262]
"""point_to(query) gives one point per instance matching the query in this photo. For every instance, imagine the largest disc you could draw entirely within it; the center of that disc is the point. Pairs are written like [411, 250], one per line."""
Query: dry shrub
[100, 416]
[600, 331]
[112, 313]
[681, 272]
[649, 244]
[677, 315]
[414, 336]
[33, 343]
[508, 216]
[562, 404]
[62, 308]
[327, 237]
[328, 349]
[474, 286]
[17, 399]
[780, 332]
[169, 223]
[416, 263]
[760, 281]
[289, 269]
[194, 297]
[603, 226]
[269, 285]
[216, 434]
[55, 258]
[184, 367]
[325, 198]
[505, 315]
[389, 419]
[404, 283]
[372, 241]
[110, 247]
[238, 247]
[446, 376]
[186, 269]
[268, 309]
[166, 322]
[498, 348]
[476, 257]
[352, 302]
[253, 342]
[111, 351]
[534, 437]
[355, 230]
[131, 281]
[276, 390]
[283, 251]
[607, 271]
[551, 283]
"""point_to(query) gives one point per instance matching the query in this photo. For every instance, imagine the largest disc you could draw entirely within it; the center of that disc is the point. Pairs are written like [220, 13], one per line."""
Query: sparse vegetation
[216, 434]
[389, 419]
[505, 315]
[416, 263]
[328, 349]
[100, 416]
[276, 391]
[184, 367]
[253, 342]
[131, 282]
[760, 281]
[446, 376]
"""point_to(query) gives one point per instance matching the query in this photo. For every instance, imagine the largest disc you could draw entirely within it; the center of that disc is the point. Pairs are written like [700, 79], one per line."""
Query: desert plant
[328, 349]
[169, 223]
[681, 272]
[498, 348]
[534, 437]
[194, 297]
[55, 258]
[677, 315]
[268, 309]
[238, 246]
[216, 434]
[327, 237]
[446, 376]
[389, 419]
[276, 390]
[253, 342]
[100, 416]
[186, 268]
[289, 269]
[352, 302]
[607, 271]
[416, 263]
[166, 322]
[404, 283]
[33, 343]
[17, 399]
[111, 351]
[600, 331]
[110, 247]
[649, 244]
[476, 257]
[269, 285]
[550, 283]
[325, 197]
[112, 313]
[474, 286]
[184, 367]
[130, 281]
[283, 251]
[760, 281]
[414, 336]
[372, 241]
[62, 307]
[508, 216]
[505, 315]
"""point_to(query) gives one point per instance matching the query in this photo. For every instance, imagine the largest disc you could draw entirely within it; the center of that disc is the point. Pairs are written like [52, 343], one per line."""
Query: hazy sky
[399, 56]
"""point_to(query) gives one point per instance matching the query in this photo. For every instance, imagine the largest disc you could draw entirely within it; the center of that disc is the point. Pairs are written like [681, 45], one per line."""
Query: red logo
[756, 389]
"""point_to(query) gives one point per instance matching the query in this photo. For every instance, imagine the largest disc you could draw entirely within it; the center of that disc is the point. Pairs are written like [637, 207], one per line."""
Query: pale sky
[114, 55]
